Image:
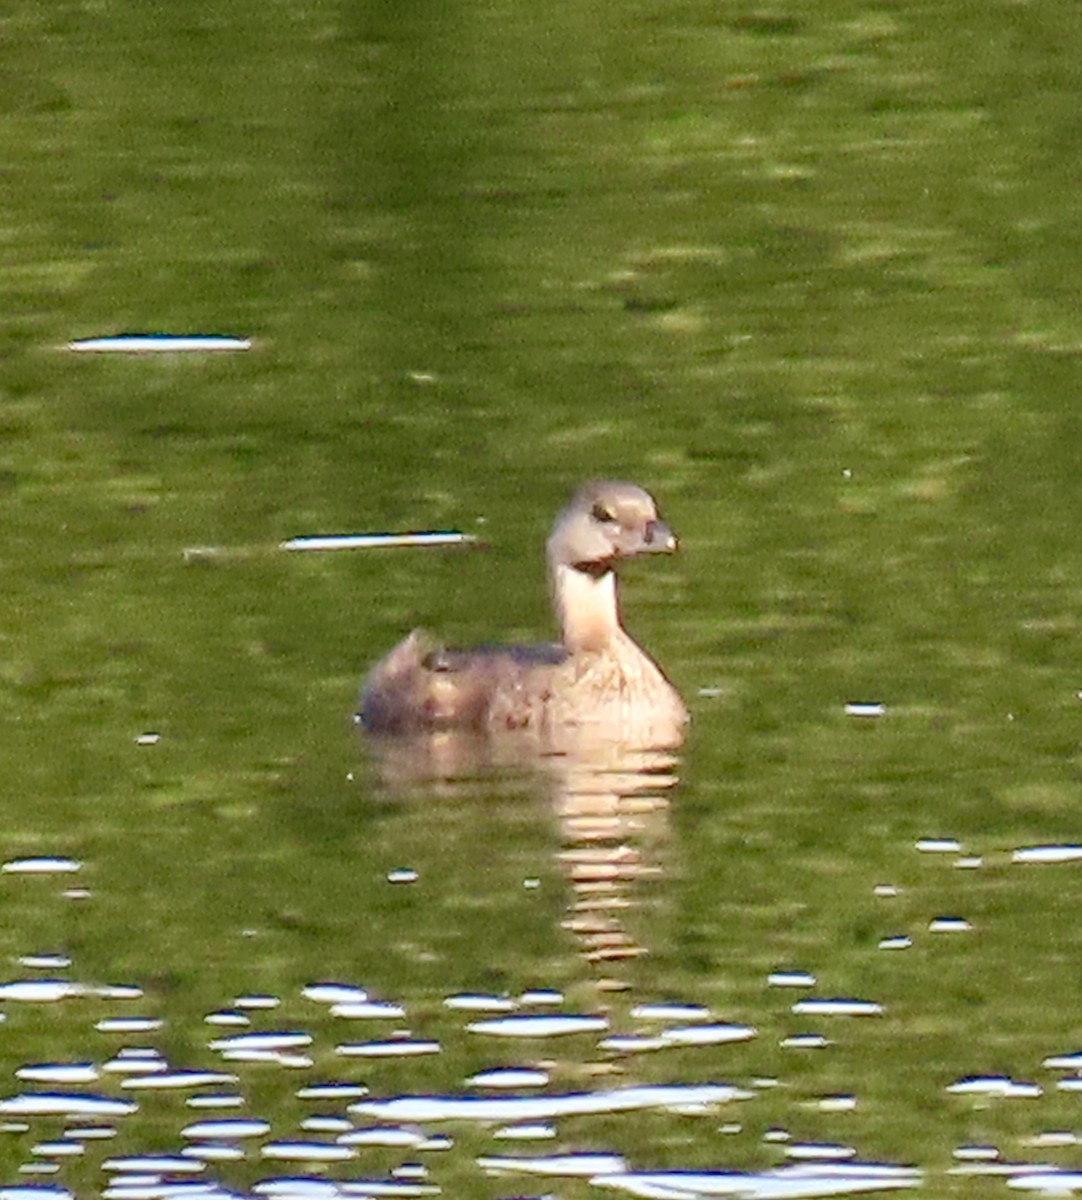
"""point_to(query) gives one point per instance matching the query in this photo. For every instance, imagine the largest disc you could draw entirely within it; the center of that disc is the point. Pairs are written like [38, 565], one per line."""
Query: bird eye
[603, 514]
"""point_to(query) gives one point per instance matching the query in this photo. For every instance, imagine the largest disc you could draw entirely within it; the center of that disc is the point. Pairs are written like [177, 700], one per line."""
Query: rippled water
[314, 1092]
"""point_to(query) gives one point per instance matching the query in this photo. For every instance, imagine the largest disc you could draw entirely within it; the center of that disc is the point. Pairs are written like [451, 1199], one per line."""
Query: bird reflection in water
[610, 800]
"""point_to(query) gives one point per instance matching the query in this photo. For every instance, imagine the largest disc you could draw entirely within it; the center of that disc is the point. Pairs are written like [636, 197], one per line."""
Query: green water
[808, 271]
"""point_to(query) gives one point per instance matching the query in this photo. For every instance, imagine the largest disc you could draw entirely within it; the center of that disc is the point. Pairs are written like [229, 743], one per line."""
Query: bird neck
[587, 606]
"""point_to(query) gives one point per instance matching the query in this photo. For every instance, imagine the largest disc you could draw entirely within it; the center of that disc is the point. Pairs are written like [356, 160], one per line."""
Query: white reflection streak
[538, 1108]
[785, 1184]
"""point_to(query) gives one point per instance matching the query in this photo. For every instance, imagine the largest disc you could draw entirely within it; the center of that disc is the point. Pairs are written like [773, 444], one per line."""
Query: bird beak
[658, 538]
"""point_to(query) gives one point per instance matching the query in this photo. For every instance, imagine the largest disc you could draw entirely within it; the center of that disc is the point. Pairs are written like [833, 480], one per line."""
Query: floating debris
[375, 541]
[556, 1025]
[1047, 854]
[148, 739]
[886, 891]
[402, 875]
[539, 1108]
[837, 1008]
[41, 866]
[840, 1103]
[898, 942]
[865, 708]
[969, 862]
[159, 343]
[228, 1129]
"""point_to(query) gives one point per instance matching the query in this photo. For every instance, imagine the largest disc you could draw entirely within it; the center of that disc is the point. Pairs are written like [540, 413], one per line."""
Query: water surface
[808, 271]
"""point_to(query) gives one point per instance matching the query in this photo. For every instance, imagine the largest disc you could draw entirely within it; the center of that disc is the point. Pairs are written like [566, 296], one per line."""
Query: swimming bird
[596, 678]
